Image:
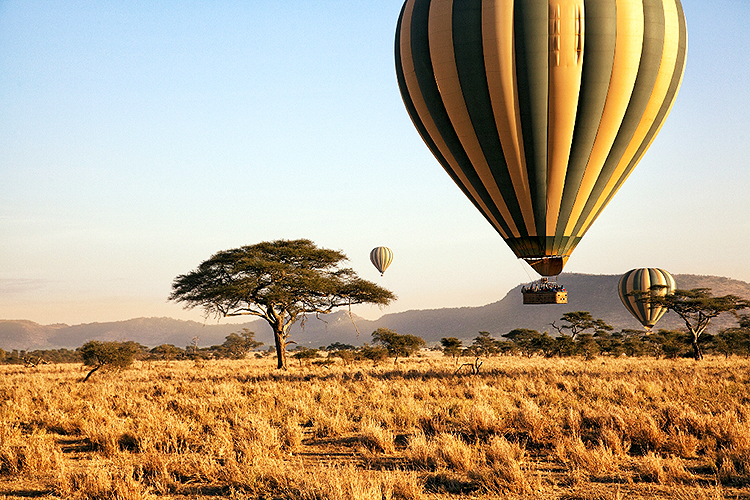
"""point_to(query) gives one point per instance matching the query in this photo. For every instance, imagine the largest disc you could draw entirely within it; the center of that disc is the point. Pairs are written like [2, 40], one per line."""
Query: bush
[108, 354]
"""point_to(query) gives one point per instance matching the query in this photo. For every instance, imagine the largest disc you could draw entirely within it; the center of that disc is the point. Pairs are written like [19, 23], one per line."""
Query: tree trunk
[280, 340]
[91, 372]
[697, 349]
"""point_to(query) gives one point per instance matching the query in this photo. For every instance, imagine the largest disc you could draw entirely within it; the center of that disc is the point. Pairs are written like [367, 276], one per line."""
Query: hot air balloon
[655, 282]
[381, 258]
[540, 109]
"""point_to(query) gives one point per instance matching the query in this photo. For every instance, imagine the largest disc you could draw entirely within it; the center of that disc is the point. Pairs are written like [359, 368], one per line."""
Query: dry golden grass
[520, 429]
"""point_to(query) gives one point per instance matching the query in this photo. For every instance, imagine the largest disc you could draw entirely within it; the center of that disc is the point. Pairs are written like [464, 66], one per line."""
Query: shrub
[108, 354]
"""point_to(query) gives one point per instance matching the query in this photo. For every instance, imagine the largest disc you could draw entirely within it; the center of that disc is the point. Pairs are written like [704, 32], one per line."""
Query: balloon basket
[544, 292]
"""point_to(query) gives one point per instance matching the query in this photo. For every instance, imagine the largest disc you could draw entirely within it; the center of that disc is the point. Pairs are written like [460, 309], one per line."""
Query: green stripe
[420, 47]
[531, 32]
[622, 291]
[653, 48]
[661, 116]
[600, 28]
[412, 110]
[641, 284]
[469, 59]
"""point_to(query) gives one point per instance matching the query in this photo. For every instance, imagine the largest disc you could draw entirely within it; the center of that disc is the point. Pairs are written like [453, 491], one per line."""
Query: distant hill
[147, 331]
[594, 293]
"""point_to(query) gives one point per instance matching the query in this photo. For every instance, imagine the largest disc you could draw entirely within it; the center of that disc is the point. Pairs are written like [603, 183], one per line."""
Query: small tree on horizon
[238, 344]
[305, 354]
[579, 322]
[452, 346]
[528, 341]
[117, 355]
[375, 353]
[398, 346]
[483, 346]
[167, 352]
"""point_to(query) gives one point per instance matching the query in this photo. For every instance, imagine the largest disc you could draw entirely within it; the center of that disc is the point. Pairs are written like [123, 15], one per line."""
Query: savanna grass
[521, 428]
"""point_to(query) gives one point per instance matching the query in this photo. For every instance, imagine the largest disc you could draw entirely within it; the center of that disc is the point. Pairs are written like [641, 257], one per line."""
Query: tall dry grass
[522, 428]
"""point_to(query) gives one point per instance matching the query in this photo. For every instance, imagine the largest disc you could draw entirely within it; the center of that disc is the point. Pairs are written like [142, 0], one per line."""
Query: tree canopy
[399, 346]
[280, 281]
[580, 321]
[452, 346]
[483, 345]
[696, 307]
[238, 344]
[110, 354]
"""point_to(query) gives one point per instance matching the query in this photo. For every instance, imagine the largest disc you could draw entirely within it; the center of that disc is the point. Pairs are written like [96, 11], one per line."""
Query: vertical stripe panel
[419, 88]
[469, 66]
[666, 106]
[497, 38]
[628, 45]
[599, 54]
[440, 29]
[650, 61]
[566, 49]
[530, 31]
[659, 95]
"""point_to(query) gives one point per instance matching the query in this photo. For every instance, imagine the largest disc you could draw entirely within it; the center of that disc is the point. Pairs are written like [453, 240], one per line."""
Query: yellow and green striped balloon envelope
[650, 281]
[540, 109]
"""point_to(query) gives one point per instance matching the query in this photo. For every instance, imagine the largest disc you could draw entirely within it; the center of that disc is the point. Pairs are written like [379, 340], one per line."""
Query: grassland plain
[522, 428]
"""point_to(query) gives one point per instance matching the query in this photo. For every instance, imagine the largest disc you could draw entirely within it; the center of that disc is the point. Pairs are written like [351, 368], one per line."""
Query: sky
[139, 138]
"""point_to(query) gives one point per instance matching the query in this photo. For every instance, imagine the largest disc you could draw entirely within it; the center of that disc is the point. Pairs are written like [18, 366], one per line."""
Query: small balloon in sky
[381, 258]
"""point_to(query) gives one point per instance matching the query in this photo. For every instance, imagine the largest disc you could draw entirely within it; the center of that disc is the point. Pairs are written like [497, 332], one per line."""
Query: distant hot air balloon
[381, 258]
[655, 282]
[540, 109]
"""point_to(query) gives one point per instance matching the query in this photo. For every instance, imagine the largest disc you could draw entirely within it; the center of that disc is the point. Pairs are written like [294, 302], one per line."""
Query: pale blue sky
[138, 138]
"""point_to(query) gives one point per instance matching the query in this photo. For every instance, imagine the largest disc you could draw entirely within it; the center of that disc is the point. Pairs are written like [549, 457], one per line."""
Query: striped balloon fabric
[646, 280]
[540, 109]
[381, 258]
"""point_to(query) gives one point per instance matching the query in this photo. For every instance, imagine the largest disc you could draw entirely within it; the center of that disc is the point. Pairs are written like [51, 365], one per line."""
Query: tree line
[236, 345]
[669, 344]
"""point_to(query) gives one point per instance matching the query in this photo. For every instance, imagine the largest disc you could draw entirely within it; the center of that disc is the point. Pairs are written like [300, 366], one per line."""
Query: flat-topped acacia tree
[696, 307]
[280, 281]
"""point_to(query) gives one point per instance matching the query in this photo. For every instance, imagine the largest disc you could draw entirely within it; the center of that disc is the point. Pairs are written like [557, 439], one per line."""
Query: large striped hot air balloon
[651, 281]
[540, 109]
[381, 258]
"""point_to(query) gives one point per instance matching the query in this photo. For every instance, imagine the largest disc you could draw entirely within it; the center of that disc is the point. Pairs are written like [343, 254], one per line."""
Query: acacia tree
[530, 341]
[696, 307]
[111, 354]
[483, 345]
[280, 281]
[452, 346]
[579, 322]
[238, 344]
[398, 345]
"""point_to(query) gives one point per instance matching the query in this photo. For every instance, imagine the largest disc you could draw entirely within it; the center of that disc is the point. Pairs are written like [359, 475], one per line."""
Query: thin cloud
[21, 285]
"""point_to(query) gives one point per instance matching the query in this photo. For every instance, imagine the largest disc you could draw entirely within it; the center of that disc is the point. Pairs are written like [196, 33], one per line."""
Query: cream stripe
[628, 46]
[446, 75]
[415, 93]
[565, 70]
[658, 95]
[497, 40]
